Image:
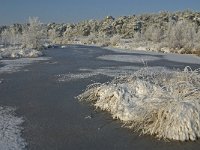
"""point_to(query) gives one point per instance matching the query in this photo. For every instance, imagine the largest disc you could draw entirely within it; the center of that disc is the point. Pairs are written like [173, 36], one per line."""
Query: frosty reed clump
[158, 102]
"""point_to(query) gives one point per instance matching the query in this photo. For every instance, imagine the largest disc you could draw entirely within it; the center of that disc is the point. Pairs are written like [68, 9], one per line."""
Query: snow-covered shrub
[91, 39]
[103, 40]
[115, 39]
[53, 36]
[181, 35]
[9, 37]
[17, 52]
[154, 34]
[158, 102]
[34, 34]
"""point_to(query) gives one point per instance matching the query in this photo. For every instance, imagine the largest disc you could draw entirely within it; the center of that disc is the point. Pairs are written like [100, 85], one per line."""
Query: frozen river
[43, 95]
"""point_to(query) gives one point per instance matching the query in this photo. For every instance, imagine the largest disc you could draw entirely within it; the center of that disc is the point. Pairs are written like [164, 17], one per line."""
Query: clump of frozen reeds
[158, 102]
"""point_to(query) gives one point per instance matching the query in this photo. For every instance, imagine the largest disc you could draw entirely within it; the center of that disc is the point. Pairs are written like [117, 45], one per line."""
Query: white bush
[34, 34]
[9, 37]
[115, 39]
[54, 36]
[158, 102]
[154, 34]
[181, 35]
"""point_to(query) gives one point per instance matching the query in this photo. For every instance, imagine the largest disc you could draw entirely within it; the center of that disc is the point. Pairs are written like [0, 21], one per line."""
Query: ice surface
[185, 58]
[129, 58]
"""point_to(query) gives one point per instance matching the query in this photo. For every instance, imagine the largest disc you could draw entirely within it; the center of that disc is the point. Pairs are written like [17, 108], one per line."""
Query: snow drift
[158, 102]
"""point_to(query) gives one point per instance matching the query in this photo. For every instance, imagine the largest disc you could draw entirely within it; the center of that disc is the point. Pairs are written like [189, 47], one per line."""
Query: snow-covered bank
[17, 52]
[10, 130]
[184, 58]
[14, 65]
[159, 102]
[128, 45]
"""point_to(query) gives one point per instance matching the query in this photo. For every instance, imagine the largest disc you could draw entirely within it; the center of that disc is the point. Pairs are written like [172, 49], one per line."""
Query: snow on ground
[153, 101]
[16, 64]
[185, 58]
[10, 130]
[17, 52]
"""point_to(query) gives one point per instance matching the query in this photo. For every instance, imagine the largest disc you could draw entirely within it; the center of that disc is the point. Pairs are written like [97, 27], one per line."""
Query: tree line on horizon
[176, 31]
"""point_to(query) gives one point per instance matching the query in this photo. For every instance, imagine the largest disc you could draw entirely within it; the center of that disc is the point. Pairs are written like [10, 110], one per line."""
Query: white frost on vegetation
[10, 130]
[15, 65]
[107, 71]
[158, 102]
[14, 52]
[72, 77]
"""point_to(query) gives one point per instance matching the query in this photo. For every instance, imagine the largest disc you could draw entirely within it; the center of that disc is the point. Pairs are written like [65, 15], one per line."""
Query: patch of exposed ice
[184, 58]
[16, 64]
[154, 101]
[129, 58]
[10, 130]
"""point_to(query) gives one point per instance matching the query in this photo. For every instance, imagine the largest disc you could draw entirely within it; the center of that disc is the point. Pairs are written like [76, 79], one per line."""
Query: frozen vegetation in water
[10, 133]
[153, 101]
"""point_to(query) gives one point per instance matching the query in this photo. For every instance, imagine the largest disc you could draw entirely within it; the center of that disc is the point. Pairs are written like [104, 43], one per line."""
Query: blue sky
[18, 11]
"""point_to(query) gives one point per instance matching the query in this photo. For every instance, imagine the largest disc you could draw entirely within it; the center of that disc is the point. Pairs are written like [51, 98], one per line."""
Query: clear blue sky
[18, 11]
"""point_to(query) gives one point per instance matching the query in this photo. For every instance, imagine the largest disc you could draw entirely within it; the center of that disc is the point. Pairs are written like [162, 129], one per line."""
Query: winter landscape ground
[49, 73]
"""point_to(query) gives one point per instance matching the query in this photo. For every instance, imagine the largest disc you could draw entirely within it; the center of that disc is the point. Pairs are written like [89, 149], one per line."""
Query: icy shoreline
[10, 133]
[15, 65]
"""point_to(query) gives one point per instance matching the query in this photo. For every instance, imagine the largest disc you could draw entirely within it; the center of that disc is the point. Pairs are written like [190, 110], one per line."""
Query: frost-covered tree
[34, 34]
[9, 37]
[54, 36]
[181, 35]
[154, 34]
[114, 40]
[5, 38]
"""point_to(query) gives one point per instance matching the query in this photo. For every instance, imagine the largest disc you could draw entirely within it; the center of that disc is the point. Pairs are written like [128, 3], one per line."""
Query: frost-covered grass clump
[158, 102]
